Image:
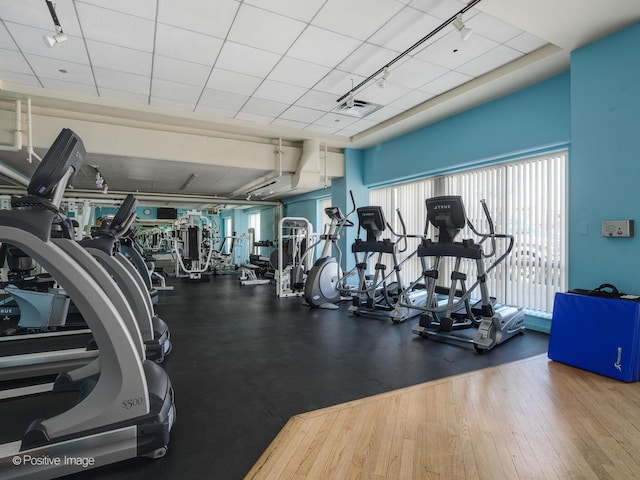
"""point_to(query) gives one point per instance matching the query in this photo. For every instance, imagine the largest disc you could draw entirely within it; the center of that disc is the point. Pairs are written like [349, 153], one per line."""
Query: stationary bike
[325, 283]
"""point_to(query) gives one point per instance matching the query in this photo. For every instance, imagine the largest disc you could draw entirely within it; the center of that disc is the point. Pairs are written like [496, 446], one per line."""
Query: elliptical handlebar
[403, 236]
[492, 235]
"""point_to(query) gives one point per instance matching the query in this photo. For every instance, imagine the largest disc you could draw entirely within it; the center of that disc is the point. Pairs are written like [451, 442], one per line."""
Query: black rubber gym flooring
[244, 362]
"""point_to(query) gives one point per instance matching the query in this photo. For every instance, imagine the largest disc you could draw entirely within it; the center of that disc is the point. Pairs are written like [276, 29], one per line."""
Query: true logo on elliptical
[442, 206]
[618, 363]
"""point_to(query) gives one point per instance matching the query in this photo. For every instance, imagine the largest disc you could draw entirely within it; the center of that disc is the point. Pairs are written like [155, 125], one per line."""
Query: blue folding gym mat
[596, 334]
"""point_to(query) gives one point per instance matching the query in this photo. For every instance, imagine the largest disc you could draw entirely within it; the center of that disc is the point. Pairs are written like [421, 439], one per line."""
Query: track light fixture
[101, 183]
[465, 32]
[351, 101]
[382, 81]
[351, 93]
[59, 36]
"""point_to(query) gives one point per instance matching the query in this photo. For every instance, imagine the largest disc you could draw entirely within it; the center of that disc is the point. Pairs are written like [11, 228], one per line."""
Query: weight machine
[192, 245]
[291, 260]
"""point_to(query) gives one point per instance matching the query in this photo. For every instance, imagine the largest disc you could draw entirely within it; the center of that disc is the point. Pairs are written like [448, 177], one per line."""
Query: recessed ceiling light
[62, 70]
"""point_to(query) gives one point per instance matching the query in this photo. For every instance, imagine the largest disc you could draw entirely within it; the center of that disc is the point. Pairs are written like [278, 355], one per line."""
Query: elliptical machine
[441, 317]
[375, 294]
[325, 286]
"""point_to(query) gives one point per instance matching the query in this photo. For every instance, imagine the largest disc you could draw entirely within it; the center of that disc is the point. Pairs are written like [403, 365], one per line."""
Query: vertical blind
[526, 199]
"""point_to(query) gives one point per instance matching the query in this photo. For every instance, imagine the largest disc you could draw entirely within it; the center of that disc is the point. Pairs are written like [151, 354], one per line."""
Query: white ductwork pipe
[30, 135]
[14, 176]
[17, 134]
[308, 175]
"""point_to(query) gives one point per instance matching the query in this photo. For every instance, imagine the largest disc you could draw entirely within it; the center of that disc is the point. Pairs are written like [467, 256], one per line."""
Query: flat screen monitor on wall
[167, 213]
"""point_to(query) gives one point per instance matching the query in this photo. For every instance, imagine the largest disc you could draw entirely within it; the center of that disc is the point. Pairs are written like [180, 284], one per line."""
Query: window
[228, 232]
[254, 222]
[526, 198]
[323, 219]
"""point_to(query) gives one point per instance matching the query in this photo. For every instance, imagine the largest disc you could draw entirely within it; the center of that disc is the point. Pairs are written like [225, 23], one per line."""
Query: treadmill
[126, 410]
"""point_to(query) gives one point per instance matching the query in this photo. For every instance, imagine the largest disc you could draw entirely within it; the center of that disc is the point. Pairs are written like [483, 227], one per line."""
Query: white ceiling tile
[283, 122]
[356, 18]
[411, 99]
[175, 91]
[318, 101]
[266, 30]
[279, 92]
[335, 120]
[489, 61]
[491, 27]
[117, 28]
[525, 43]
[179, 71]
[405, 29]
[384, 113]
[13, 61]
[125, 82]
[412, 73]
[301, 114]
[36, 14]
[218, 112]
[119, 58]
[442, 9]
[173, 104]
[233, 82]
[338, 82]
[451, 51]
[124, 96]
[66, 86]
[291, 8]
[139, 8]
[446, 82]
[30, 40]
[252, 117]
[247, 60]
[51, 68]
[323, 47]
[321, 129]
[298, 72]
[367, 59]
[6, 42]
[204, 16]
[21, 78]
[219, 99]
[383, 96]
[187, 45]
[357, 127]
[260, 106]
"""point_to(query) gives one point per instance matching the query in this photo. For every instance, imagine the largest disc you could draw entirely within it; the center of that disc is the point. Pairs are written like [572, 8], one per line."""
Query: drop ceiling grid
[282, 62]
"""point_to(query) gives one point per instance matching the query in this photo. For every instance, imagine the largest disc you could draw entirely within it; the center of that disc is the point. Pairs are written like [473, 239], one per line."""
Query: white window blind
[254, 222]
[525, 198]
[322, 204]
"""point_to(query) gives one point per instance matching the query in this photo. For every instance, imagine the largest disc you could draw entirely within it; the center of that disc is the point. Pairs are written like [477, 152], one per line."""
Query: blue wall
[531, 119]
[593, 109]
[604, 168]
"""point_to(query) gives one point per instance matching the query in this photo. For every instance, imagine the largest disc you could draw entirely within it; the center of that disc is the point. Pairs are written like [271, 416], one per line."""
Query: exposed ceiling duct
[308, 174]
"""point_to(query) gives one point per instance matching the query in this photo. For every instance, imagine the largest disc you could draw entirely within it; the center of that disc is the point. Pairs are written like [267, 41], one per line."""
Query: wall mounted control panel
[617, 228]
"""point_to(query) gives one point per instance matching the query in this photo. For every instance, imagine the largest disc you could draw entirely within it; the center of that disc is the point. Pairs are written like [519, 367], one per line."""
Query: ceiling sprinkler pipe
[17, 134]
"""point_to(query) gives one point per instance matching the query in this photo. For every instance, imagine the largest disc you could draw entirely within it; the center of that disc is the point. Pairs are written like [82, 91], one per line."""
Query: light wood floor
[532, 419]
